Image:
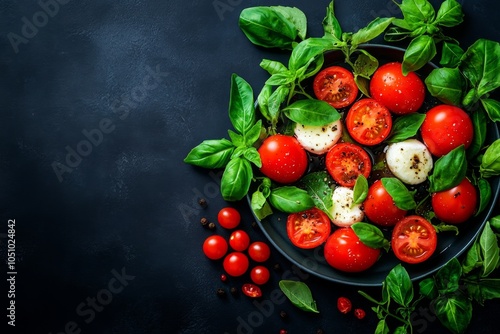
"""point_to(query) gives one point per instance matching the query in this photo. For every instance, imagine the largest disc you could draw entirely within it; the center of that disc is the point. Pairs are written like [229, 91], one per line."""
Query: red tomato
[455, 205]
[308, 229]
[260, 275]
[229, 217]
[379, 206]
[399, 93]
[414, 239]
[336, 86]
[359, 313]
[344, 305]
[368, 122]
[446, 127]
[284, 160]
[344, 251]
[236, 264]
[251, 290]
[239, 240]
[215, 247]
[259, 251]
[345, 161]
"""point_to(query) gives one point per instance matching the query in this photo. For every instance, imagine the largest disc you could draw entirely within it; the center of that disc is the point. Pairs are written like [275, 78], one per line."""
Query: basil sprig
[371, 235]
[449, 170]
[402, 197]
[235, 155]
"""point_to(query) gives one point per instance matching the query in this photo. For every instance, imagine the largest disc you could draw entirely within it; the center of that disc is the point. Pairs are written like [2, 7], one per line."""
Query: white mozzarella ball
[318, 139]
[344, 212]
[409, 160]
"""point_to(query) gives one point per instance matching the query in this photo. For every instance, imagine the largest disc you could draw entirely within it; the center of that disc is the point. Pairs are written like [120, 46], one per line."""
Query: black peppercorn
[202, 202]
[204, 221]
[283, 315]
[211, 226]
[320, 331]
[234, 291]
[221, 292]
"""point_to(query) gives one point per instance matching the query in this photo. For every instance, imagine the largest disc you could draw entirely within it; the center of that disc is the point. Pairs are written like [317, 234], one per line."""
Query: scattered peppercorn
[277, 267]
[223, 277]
[204, 221]
[211, 226]
[221, 292]
[283, 315]
[202, 202]
[320, 331]
[234, 291]
[254, 224]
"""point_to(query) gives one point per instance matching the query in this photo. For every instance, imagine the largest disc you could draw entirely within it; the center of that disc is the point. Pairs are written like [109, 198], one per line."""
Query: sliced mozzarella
[344, 213]
[409, 160]
[318, 139]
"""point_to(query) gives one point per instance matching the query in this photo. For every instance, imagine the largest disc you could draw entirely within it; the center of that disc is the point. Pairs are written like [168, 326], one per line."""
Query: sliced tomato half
[346, 161]
[414, 239]
[335, 85]
[368, 122]
[308, 229]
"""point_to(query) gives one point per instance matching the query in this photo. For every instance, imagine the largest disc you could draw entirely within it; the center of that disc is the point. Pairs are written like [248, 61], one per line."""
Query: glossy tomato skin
[368, 122]
[215, 247]
[335, 85]
[251, 290]
[259, 251]
[414, 239]
[229, 217]
[260, 275]
[236, 264]
[344, 251]
[308, 229]
[380, 208]
[446, 127]
[284, 160]
[399, 93]
[346, 161]
[455, 205]
[239, 240]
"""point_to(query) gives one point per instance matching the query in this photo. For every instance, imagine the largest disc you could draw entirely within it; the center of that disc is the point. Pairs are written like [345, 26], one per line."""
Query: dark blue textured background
[146, 81]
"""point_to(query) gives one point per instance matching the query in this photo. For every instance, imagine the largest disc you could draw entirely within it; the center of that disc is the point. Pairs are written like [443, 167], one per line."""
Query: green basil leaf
[446, 84]
[241, 105]
[371, 31]
[479, 64]
[490, 164]
[495, 223]
[363, 85]
[454, 312]
[473, 258]
[319, 185]
[382, 327]
[283, 78]
[311, 68]
[360, 190]
[420, 51]
[401, 330]
[487, 288]
[311, 112]
[236, 179]
[365, 65]
[252, 155]
[449, 14]
[253, 134]
[417, 11]
[296, 16]
[451, 54]
[371, 236]
[492, 107]
[266, 27]
[290, 199]
[405, 127]
[237, 139]
[449, 170]
[272, 66]
[479, 122]
[275, 101]
[260, 206]
[212, 153]
[306, 51]
[396, 34]
[400, 286]
[263, 102]
[401, 196]
[448, 277]
[299, 294]
[484, 195]
[489, 250]
[331, 25]
[427, 288]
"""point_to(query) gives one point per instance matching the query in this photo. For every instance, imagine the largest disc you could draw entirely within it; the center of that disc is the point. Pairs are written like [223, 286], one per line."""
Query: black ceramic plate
[449, 245]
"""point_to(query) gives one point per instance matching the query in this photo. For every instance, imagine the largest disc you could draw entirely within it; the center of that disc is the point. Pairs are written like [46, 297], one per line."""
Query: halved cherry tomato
[379, 206]
[446, 127]
[401, 94]
[368, 122]
[414, 239]
[336, 86]
[455, 205]
[308, 229]
[251, 290]
[346, 161]
[344, 251]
